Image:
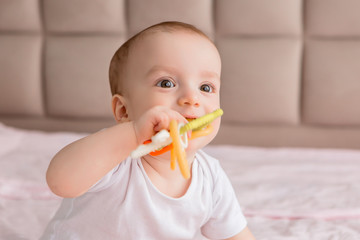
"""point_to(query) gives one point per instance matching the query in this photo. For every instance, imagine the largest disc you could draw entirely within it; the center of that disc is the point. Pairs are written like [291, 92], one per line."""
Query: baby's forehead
[159, 41]
[173, 48]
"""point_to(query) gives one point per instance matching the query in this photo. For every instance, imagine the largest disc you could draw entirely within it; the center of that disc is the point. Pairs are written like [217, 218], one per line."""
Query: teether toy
[164, 141]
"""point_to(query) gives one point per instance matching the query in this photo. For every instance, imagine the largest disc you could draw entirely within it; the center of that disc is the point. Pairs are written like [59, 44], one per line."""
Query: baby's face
[179, 70]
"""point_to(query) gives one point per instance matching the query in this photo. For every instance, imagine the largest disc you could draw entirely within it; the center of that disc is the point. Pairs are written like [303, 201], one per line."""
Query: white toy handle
[159, 140]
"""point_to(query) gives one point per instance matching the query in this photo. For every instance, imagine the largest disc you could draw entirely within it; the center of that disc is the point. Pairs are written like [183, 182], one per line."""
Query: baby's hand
[154, 120]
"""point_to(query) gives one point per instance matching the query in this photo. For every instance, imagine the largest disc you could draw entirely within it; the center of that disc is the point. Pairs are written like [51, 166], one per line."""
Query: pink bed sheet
[296, 193]
[285, 193]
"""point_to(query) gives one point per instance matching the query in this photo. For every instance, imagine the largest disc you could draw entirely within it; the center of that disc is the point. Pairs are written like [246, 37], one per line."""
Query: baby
[169, 71]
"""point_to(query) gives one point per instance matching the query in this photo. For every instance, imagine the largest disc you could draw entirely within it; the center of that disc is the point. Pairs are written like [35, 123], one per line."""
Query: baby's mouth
[190, 117]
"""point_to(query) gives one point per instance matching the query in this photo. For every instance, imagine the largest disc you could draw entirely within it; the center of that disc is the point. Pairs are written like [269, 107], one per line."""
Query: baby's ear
[119, 108]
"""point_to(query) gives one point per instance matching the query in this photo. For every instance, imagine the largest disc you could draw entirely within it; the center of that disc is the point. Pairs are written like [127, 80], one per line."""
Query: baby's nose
[189, 99]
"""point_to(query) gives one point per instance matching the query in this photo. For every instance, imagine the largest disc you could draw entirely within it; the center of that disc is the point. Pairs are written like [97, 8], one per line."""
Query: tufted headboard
[291, 68]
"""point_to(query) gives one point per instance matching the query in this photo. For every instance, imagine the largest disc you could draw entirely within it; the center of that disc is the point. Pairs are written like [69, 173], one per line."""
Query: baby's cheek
[158, 102]
[216, 125]
[201, 142]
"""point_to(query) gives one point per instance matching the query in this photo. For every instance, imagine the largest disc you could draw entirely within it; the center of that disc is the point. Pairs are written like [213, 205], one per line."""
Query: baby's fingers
[164, 117]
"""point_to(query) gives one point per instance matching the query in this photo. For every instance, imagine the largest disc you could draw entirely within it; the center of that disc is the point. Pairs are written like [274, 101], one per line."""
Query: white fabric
[126, 205]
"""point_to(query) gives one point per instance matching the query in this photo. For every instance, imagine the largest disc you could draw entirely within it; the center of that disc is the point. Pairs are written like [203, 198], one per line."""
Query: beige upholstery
[84, 16]
[291, 68]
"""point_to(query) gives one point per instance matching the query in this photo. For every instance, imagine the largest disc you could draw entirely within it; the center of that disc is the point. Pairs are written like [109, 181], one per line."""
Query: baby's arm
[79, 165]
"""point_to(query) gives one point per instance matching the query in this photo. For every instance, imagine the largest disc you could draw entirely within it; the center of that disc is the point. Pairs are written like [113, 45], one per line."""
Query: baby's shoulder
[209, 165]
[113, 176]
[207, 160]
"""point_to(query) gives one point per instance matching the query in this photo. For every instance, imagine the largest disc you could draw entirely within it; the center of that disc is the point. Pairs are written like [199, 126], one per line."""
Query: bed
[290, 134]
[285, 193]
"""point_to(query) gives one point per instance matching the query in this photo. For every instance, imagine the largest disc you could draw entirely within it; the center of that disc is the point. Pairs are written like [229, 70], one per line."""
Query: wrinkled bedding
[296, 193]
[285, 193]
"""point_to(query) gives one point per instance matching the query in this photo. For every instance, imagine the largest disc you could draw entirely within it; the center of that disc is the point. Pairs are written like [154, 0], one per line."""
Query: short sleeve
[226, 219]
[109, 178]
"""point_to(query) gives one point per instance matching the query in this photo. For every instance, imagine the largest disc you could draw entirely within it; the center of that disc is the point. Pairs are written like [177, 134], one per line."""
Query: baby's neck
[169, 182]
[161, 164]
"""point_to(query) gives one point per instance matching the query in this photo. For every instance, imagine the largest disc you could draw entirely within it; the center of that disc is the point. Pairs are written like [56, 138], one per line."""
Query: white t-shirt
[126, 205]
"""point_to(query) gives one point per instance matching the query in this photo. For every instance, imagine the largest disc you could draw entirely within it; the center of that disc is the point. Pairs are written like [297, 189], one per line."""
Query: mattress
[285, 193]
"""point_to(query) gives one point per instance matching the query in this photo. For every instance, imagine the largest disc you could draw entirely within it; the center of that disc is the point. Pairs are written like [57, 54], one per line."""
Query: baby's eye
[165, 84]
[206, 88]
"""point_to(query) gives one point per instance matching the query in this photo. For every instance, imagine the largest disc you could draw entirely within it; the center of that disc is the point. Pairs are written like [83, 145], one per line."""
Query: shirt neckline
[190, 189]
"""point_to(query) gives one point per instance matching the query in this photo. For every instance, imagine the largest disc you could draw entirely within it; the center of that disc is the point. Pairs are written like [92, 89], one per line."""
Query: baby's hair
[118, 61]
